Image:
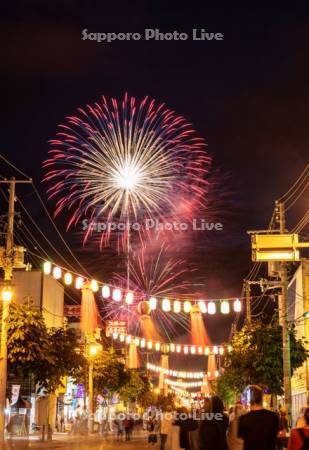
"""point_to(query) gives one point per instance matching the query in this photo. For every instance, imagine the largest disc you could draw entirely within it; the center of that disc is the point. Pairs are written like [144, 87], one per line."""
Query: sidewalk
[63, 441]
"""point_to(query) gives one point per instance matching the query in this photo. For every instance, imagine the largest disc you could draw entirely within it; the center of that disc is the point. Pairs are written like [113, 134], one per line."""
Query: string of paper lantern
[183, 393]
[170, 347]
[184, 384]
[116, 294]
[175, 373]
[181, 373]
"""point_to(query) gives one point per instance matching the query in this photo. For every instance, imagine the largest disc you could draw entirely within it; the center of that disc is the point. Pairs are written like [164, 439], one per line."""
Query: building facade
[298, 305]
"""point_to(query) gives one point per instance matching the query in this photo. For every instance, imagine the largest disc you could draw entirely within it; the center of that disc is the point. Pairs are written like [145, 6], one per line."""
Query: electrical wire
[302, 223]
[48, 214]
[285, 197]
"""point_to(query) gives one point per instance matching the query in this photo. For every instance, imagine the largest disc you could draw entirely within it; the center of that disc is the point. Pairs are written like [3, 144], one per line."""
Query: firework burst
[125, 161]
[152, 275]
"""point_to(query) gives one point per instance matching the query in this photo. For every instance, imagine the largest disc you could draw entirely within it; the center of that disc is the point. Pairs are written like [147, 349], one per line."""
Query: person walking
[167, 419]
[234, 442]
[300, 423]
[119, 428]
[213, 425]
[153, 428]
[299, 439]
[259, 427]
[282, 439]
[187, 425]
[127, 425]
[173, 438]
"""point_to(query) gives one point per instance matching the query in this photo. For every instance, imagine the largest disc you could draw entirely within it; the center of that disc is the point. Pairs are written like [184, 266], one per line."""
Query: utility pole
[286, 351]
[7, 264]
[248, 304]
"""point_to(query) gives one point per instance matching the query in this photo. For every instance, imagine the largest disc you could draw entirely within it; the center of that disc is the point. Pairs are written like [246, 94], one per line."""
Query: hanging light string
[184, 384]
[181, 373]
[183, 393]
[170, 347]
[109, 291]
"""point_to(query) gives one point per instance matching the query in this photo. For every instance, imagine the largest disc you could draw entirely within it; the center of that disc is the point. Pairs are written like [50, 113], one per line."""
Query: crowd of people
[210, 428]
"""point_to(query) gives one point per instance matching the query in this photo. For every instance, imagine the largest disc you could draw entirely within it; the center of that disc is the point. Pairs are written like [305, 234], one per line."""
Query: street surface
[63, 442]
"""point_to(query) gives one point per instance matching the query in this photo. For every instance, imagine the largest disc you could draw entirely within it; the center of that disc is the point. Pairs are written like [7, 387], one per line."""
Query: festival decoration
[145, 306]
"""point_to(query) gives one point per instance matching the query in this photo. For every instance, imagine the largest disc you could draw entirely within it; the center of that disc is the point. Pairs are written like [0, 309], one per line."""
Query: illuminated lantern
[225, 307]
[94, 285]
[158, 346]
[129, 298]
[106, 292]
[165, 348]
[68, 278]
[237, 305]
[193, 350]
[143, 343]
[186, 350]
[122, 338]
[178, 348]
[115, 335]
[143, 308]
[136, 341]
[200, 350]
[230, 348]
[206, 350]
[215, 350]
[172, 347]
[79, 281]
[47, 267]
[177, 306]
[203, 307]
[187, 307]
[57, 273]
[216, 373]
[129, 339]
[211, 308]
[117, 296]
[153, 303]
[195, 309]
[166, 305]
[221, 351]
[149, 345]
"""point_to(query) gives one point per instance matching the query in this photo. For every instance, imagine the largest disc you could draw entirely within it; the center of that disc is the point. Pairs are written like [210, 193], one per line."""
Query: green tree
[256, 358]
[66, 359]
[33, 350]
[109, 373]
[164, 402]
[136, 388]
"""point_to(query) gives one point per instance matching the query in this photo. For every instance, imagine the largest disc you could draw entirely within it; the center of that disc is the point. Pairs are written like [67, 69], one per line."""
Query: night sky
[247, 95]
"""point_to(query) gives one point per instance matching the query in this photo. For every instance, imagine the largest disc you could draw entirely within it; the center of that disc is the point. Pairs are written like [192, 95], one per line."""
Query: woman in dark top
[186, 425]
[213, 425]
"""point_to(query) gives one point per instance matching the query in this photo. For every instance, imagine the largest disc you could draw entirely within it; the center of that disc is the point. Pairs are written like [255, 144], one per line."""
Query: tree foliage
[256, 358]
[33, 350]
[111, 376]
[109, 373]
[136, 388]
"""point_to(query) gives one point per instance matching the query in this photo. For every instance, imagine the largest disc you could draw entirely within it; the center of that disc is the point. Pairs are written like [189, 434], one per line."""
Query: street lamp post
[93, 349]
[6, 297]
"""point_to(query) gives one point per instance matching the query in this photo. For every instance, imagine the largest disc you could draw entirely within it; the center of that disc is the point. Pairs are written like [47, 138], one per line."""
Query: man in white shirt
[167, 419]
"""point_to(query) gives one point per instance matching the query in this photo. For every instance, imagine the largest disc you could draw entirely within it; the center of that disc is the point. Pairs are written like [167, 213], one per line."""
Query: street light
[93, 349]
[6, 294]
[6, 297]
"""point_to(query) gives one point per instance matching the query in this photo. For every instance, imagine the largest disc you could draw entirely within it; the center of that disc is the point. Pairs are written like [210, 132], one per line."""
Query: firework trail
[122, 162]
